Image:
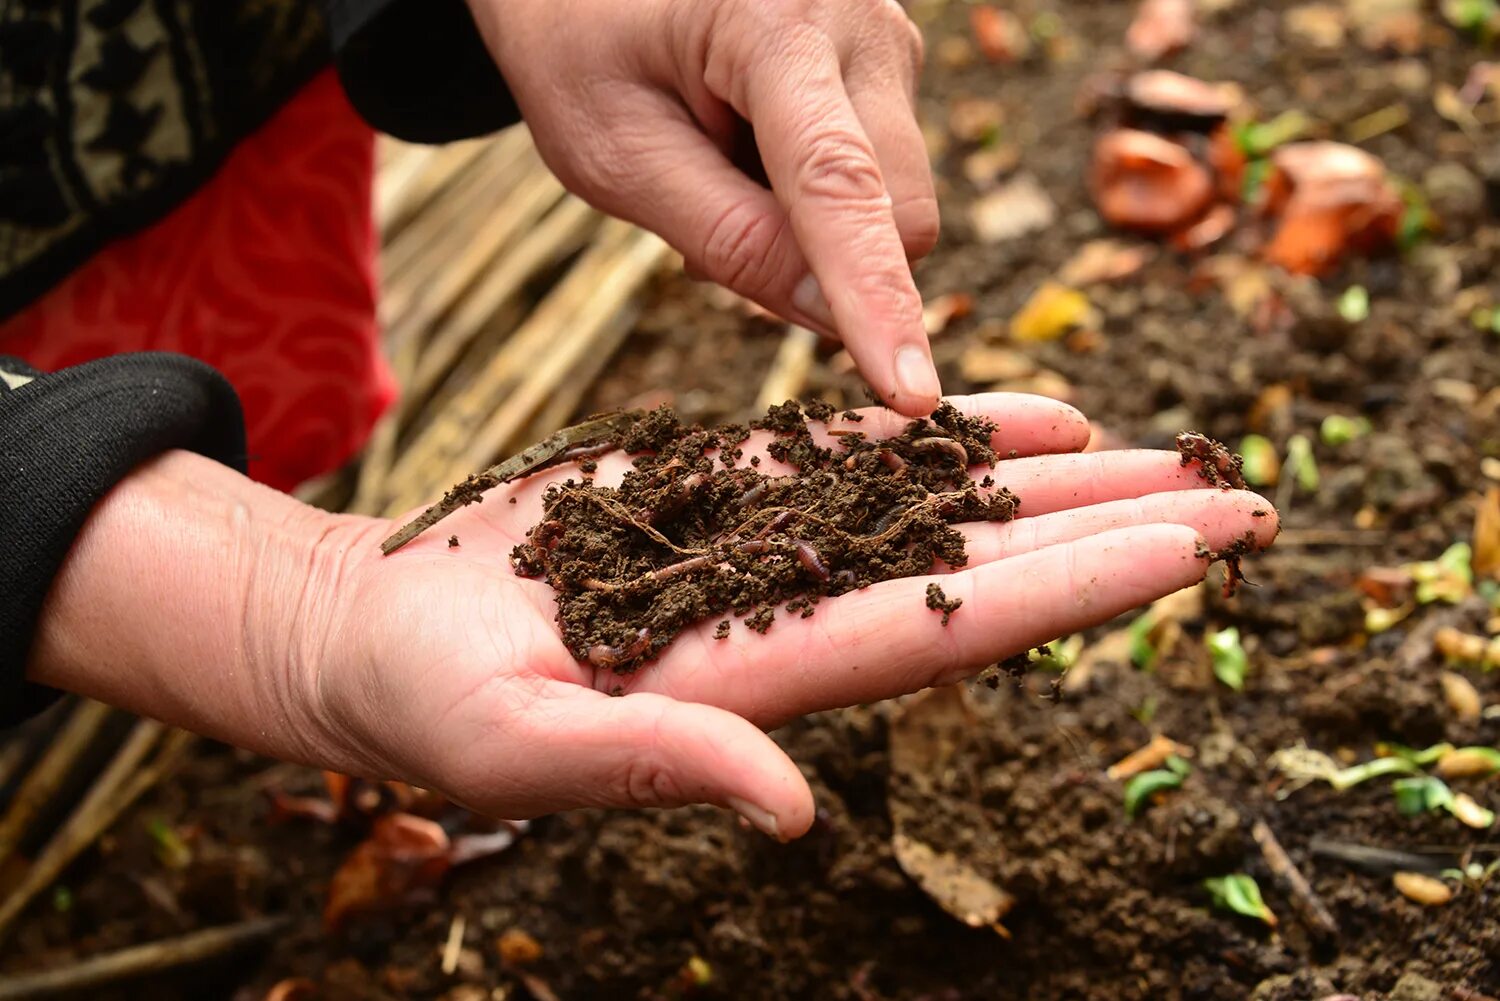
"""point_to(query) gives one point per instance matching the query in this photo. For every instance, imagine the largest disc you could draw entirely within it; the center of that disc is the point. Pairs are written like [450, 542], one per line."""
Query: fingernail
[810, 302]
[760, 819]
[915, 376]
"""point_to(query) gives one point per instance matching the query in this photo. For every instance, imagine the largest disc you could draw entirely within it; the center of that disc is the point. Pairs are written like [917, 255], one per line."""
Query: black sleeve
[418, 69]
[65, 440]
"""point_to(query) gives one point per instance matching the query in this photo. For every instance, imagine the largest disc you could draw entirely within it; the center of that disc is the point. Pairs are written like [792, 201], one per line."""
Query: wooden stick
[788, 376]
[140, 960]
[1298, 890]
[99, 808]
[470, 491]
[50, 772]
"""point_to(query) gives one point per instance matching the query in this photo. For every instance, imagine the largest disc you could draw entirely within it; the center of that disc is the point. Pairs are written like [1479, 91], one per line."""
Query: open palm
[447, 669]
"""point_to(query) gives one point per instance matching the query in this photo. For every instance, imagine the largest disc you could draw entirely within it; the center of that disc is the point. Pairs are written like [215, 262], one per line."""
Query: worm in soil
[947, 446]
[810, 560]
[606, 657]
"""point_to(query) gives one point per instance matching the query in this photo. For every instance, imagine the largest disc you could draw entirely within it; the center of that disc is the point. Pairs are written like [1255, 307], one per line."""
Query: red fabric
[268, 273]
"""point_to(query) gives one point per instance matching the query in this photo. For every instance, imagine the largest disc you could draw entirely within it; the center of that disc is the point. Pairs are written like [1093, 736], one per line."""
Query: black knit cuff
[418, 69]
[65, 440]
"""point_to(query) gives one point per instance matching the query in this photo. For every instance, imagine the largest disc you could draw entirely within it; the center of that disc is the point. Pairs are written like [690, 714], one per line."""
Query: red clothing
[268, 273]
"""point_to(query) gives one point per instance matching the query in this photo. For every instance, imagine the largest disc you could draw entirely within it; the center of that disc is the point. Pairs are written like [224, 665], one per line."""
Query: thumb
[648, 750]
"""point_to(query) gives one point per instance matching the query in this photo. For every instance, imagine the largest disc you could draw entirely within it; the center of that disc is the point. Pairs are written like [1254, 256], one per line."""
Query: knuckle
[737, 249]
[841, 167]
[921, 226]
[646, 783]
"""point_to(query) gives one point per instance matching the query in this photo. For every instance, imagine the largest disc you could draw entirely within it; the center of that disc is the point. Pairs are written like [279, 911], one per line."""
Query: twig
[788, 375]
[1309, 907]
[454, 945]
[409, 177]
[527, 461]
[1380, 861]
[140, 960]
[110, 795]
[50, 772]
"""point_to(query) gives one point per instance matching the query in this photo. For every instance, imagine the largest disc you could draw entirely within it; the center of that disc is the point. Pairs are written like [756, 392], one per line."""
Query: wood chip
[1425, 890]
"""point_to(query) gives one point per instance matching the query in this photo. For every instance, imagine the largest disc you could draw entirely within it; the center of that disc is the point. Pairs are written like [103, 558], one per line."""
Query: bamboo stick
[561, 232]
[50, 772]
[139, 960]
[788, 375]
[426, 461]
[96, 812]
[565, 400]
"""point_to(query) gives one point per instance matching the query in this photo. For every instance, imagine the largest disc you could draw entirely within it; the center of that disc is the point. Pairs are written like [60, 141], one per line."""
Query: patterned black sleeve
[65, 440]
[418, 70]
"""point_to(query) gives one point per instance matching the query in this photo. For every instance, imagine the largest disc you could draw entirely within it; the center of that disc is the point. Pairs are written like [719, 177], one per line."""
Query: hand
[441, 666]
[639, 107]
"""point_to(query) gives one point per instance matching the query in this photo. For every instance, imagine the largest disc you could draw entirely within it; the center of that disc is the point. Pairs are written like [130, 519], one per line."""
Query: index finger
[823, 167]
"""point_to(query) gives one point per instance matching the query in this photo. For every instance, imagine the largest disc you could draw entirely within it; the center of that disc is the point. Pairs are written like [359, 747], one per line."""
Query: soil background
[1106, 907]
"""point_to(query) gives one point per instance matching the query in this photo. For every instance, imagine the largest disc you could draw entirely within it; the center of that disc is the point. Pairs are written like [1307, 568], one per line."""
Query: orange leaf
[1486, 560]
[1142, 181]
[1160, 28]
[404, 858]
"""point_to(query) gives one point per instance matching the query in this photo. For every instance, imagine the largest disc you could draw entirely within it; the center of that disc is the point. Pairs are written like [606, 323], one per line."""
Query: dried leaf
[517, 948]
[1332, 199]
[1152, 755]
[1468, 762]
[1462, 697]
[1319, 25]
[1160, 28]
[1100, 261]
[1175, 99]
[1000, 35]
[1145, 182]
[928, 731]
[982, 363]
[1425, 890]
[952, 883]
[1214, 225]
[1022, 206]
[404, 858]
[1486, 561]
[939, 312]
[1052, 311]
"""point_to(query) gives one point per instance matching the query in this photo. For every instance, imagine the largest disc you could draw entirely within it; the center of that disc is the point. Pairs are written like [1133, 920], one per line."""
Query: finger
[1221, 517]
[882, 642]
[1051, 483]
[824, 170]
[727, 227]
[880, 83]
[1025, 425]
[645, 750]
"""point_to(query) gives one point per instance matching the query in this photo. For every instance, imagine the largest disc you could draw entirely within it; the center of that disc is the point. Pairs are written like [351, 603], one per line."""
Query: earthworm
[547, 533]
[751, 496]
[1215, 458]
[895, 463]
[810, 560]
[678, 500]
[605, 657]
[945, 445]
[587, 452]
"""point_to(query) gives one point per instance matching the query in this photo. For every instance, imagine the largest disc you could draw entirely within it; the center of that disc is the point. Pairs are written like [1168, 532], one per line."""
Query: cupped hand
[443, 667]
[643, 108]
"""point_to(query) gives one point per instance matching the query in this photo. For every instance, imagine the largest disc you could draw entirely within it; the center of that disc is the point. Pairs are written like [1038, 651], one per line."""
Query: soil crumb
[691, 533]
[940, 602]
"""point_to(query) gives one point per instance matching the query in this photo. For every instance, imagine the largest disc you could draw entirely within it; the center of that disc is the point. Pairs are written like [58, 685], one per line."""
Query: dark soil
[691, 533]
[1107, 908]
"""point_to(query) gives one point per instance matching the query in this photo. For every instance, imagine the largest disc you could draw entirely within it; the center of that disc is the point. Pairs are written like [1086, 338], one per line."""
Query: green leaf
[1140, 788]
[1228, 655]
[1339, 430]
[1146, 711]
[62, 899]
[1179, 765]
[1142, 648]
[1420, 794]
[1261, 464]
[1417, 219]
[1300, 463]
[1059, 655]
[1256, 139]
[1449, 578]
[171, 850]
[1354, 304]
[1241, 894]
[1348, 778]
[1256, 173]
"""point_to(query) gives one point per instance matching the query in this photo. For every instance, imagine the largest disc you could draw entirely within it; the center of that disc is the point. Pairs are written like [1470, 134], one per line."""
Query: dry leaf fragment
[1100, 261]
[1160, 28]
[1331, 199]
[981, 363]
[1462, 697]
[404, 857]
[1425, 890]
[952, 883]
[292, 989]
[1486, 560]
[939, 312]
[999, 34]
[517, 948]
[1053, 310]
[1022, 206]
[1142, 181]
[1171, 100]
[1207, 231]
[1152, 755]
[1320, 25]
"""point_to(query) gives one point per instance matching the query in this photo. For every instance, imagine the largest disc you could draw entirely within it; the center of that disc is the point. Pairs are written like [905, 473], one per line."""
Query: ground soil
[1105, 907]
